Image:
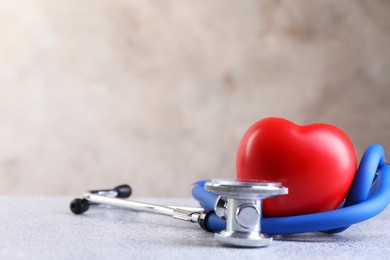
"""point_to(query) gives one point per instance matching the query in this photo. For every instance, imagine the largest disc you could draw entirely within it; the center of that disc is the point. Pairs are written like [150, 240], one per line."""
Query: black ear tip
[79, 206]
[124, 191]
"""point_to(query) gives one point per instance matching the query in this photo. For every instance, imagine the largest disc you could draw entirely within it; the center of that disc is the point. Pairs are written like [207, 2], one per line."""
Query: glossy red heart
[316, 162]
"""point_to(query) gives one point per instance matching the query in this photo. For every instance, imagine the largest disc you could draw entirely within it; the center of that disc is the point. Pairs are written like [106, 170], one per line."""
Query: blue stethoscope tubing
[368, 196]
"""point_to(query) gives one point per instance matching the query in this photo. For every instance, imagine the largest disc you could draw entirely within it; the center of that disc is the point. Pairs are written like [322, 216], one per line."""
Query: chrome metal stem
[183, 213]
[129, 204]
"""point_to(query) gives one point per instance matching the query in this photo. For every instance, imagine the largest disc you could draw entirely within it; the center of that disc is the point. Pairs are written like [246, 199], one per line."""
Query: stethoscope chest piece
[239, 203]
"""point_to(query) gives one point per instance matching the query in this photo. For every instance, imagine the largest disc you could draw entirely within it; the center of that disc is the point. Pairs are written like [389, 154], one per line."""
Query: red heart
[316, 162]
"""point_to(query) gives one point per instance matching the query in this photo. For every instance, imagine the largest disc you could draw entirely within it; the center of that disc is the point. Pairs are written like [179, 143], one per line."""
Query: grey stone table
[44, 228]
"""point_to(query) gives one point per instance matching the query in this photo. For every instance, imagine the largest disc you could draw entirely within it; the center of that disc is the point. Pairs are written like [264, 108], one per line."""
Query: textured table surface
[44, 228]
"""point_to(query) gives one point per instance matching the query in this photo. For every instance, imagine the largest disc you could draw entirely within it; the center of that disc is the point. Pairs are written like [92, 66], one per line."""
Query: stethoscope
[232, 209]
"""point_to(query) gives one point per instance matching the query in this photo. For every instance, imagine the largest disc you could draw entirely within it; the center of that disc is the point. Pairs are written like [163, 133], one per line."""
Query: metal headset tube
[183, 213]
[240, 204]
[114, 197]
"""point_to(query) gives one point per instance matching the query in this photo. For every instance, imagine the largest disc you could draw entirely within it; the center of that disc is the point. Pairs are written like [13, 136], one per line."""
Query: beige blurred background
[158, 93]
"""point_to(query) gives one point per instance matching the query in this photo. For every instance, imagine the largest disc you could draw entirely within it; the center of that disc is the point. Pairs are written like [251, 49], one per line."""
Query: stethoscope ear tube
[363, 183]
[365, 200]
